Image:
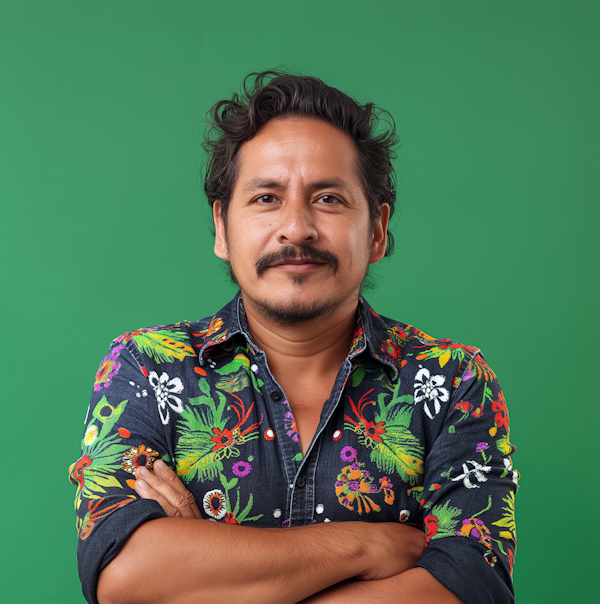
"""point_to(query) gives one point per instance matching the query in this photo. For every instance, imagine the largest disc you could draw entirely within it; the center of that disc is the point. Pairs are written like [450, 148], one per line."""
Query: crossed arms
[184, 558]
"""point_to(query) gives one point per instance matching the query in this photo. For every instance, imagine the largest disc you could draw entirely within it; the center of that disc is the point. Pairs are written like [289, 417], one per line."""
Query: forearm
[189, 560]
[414, 586]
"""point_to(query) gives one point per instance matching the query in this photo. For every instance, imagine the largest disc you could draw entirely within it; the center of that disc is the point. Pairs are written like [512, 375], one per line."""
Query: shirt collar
[372, 334]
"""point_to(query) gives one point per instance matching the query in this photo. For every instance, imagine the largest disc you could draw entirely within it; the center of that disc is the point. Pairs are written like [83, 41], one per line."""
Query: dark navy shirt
[415, 430]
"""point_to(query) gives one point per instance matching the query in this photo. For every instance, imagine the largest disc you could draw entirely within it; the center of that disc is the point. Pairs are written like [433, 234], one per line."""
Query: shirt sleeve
[469, 489]
[122, 431]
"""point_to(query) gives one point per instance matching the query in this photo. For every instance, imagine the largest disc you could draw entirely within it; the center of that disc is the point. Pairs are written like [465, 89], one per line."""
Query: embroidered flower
[290, 426]
[165, 391]
[137, 457]
[230, 518]
[348, 453]
[241, 468]
[509, 469]
[431, 526]
[501, 417]
[90, 435]
[482, 447]
[428, 388]
[78, 469]
[477, 470]
[474, 528]
[215, 504]
[108, 369]
[222, 438]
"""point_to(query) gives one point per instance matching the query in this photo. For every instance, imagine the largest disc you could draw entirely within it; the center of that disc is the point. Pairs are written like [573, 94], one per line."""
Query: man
[383, 452]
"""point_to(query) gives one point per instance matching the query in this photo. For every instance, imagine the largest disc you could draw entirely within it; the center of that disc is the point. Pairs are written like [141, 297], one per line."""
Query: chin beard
[295, 313]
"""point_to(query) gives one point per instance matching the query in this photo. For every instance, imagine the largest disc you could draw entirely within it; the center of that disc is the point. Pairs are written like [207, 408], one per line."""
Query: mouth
[286, 259]
[297, 265]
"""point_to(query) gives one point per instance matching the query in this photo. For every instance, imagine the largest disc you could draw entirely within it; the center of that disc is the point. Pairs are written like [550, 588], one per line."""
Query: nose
[296, 222]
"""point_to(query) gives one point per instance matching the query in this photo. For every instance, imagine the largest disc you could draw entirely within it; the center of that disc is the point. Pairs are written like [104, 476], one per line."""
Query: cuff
[107, 539]
[459, 565]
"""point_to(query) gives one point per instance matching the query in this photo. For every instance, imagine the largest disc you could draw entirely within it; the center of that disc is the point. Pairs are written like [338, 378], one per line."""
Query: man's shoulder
[410, 346]
[174, 341]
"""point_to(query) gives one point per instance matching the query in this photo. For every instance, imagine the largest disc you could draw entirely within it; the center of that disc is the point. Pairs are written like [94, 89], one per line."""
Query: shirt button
[275, 395]
[301, 482]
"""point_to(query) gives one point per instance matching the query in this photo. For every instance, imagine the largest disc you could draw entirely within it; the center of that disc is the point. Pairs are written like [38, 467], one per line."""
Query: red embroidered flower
[374, 430]
[222, 438]
[230, 518]
[501, 418]
[431, 526]
[464, 406]
[80, 466]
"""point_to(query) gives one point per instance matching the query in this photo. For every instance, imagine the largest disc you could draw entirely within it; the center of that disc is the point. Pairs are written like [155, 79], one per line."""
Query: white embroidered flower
[477, 470]
[508, 468]
[165, 391]
[215, 504]
[428, 388]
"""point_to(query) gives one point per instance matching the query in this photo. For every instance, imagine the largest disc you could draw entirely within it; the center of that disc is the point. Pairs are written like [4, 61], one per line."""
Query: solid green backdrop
[104, 227]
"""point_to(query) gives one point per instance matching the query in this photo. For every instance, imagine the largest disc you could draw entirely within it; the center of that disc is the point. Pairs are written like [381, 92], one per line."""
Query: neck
[320, 344]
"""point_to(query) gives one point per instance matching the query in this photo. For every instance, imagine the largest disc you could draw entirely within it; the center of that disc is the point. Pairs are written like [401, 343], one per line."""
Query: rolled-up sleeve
[122, 432]
[468, 491]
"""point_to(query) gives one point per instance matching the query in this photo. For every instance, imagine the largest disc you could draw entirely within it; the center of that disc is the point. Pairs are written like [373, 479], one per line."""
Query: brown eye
[328, 199]
[265, 199]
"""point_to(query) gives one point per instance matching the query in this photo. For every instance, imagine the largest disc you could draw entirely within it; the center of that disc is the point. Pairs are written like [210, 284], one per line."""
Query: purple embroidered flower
[482, 447]
[290, 426]
[108, 368]
[348, 453]
[354, 485]
[241, 468]
[468, 375]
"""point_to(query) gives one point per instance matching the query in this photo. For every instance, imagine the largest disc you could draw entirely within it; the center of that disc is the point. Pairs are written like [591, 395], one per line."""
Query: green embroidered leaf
[108, 481]
[234, 366]
[358, 376]
[228, 485]
[204, 386]
[246, 510]
[164, 345]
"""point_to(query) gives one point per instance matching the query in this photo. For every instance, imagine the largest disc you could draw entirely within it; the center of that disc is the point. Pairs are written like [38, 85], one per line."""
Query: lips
[296, 261]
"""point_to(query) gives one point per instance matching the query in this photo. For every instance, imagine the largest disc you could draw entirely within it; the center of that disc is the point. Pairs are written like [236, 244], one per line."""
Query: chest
[333, 452]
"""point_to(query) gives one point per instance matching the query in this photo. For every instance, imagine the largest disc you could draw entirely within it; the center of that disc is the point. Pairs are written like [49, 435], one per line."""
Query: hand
[165, 487]
[393, 548]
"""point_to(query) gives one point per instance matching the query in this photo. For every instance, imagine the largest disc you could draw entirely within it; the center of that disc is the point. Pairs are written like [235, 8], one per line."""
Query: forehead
[298, 147]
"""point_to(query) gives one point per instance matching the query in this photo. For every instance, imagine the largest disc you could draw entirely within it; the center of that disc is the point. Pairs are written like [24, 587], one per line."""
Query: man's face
[299, 237]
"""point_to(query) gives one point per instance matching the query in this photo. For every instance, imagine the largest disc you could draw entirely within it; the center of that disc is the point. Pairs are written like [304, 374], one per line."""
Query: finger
[145, 491]
[175, 502]
[162, 470]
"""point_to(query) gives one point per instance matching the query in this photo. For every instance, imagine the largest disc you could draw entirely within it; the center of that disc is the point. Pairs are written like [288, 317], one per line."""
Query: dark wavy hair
[277, 94]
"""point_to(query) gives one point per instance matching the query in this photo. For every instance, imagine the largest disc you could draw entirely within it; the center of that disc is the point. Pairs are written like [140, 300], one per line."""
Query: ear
[379, 242]
[221, 248]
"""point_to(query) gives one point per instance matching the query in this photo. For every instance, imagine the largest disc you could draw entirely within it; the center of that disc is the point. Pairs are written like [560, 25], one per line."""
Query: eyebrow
[263, 183]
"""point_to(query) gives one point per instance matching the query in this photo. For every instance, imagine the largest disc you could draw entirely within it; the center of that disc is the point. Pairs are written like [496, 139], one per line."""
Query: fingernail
[160, 464]
[142, 470]
[141, 484]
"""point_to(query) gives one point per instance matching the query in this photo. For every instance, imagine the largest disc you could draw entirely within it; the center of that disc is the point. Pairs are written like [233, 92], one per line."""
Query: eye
[265, 199]
[328, 199]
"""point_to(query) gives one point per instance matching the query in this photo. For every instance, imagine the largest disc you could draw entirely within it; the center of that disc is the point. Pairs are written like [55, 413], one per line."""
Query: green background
[104, 227]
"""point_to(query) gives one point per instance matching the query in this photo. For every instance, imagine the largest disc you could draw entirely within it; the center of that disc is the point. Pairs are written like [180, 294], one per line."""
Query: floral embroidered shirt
[415, 430]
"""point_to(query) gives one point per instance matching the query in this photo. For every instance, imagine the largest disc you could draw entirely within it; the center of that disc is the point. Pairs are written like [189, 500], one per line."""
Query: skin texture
[299, 239]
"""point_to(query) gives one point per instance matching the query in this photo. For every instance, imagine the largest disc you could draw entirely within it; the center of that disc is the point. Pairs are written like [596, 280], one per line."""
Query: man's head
[302, 190]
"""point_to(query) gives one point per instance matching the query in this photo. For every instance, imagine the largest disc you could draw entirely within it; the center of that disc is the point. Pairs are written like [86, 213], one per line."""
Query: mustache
[289, 252]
